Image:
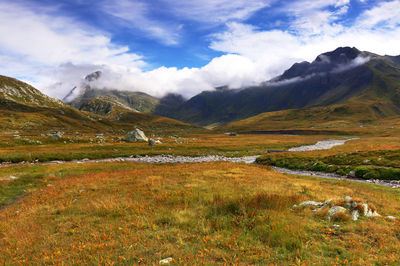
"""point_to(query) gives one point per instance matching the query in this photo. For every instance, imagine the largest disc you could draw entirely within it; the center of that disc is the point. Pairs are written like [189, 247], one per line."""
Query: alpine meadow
[207, 132]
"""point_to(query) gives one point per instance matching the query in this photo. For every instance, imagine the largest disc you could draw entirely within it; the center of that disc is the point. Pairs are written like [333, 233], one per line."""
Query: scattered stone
[57, 135]
[166, 261]
[335, 210]
[82, 190]
[16, 136]
[352, 174]
[136, 136]
[346, 205]
[347, 199]
[311, 203]
[372, 213]
[336, 226]
[354, 215]
[233, 134]
[152, 142]
[13, 177]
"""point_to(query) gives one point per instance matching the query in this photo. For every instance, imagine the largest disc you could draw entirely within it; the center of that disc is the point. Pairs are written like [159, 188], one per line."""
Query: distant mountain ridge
[341, 76]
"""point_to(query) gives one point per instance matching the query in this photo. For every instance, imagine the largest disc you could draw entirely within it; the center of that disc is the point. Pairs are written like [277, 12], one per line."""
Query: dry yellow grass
[126, 213]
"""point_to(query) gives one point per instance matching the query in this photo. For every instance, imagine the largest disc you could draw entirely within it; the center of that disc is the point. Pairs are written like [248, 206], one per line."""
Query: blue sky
[182, 46]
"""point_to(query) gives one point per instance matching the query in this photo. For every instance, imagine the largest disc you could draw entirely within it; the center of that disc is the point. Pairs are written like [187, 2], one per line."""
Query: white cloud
[53, 40]
[35, 44]
[216, 11]
[233, 70]
[135, 14]
[386, 15]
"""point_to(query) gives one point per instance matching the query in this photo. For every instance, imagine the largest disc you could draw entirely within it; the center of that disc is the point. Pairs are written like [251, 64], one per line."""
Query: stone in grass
[354, 215]
[166, 261]
[152, 142]
[308, 203]
[367, 212]
[136, 136]
[335, 210]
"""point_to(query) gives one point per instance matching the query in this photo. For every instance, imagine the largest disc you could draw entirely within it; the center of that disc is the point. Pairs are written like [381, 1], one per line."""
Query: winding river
[162, 159]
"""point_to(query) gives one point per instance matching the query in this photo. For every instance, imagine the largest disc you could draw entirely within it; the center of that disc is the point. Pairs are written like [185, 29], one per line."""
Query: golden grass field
[196, 213]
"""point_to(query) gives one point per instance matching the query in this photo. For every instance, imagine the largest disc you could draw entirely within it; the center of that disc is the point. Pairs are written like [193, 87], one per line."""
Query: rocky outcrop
[344, 207]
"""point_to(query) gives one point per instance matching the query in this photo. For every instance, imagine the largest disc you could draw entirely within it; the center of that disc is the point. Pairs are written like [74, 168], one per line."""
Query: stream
[162, 159]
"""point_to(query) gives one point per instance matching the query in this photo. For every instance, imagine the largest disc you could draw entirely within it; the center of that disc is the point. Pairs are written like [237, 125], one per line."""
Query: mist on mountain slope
[194, 81]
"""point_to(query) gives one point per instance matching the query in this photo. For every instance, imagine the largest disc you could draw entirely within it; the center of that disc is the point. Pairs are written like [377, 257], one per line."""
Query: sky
[182, 46]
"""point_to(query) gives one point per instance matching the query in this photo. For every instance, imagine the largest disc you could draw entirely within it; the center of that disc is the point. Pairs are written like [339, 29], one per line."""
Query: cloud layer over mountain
[244, 42]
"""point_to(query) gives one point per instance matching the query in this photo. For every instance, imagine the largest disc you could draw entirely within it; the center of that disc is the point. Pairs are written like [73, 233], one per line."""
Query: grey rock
[354, 215]
[372, 213]
[57, 135]
[336, 226]
[166, 261]
[152, 142]
[348, 199]
[391, 217]
[334, 211]
[136, 136]
[352, 174]
[310, 203]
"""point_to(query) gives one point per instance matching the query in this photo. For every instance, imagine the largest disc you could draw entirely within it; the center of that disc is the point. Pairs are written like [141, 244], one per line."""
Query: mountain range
[344, 84]
[343, 76]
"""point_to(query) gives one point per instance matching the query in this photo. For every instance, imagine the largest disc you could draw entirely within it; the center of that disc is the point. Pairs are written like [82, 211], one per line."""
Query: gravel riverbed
[170, 159]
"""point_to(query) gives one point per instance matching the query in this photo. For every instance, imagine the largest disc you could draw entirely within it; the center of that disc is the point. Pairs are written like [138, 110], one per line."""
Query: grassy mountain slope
[24, 108]
[113, 110]
[139, 101]
[339, 116]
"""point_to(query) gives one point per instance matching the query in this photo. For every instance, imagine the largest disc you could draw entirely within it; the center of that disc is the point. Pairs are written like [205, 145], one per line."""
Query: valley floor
[205, 213]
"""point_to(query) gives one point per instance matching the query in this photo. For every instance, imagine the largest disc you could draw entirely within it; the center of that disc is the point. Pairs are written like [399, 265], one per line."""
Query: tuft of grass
[341, 217]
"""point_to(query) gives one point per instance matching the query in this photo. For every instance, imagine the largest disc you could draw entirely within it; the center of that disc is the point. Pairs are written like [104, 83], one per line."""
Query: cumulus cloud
[232, 70]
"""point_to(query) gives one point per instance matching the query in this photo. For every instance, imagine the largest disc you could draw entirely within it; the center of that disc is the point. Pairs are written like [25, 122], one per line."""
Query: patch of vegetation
[381, 164]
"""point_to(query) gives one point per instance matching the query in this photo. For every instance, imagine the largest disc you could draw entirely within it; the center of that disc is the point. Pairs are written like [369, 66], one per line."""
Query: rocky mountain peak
[324, 63]
[341, 55]
[93, 76]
